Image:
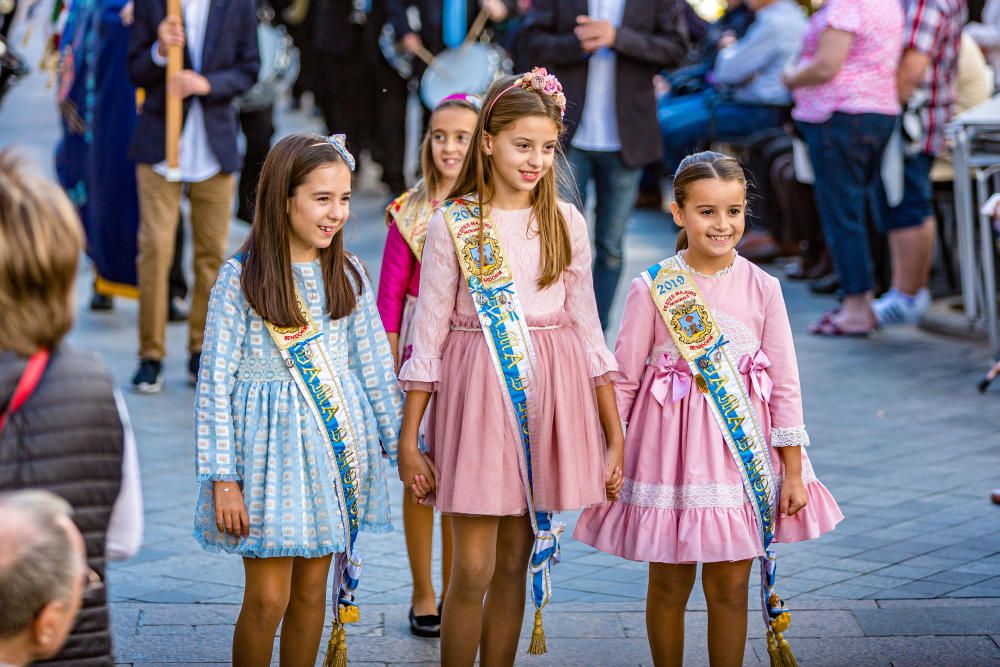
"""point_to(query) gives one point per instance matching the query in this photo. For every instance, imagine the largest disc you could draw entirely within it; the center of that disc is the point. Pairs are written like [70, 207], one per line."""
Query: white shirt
[198, 162]
[598, 129]
[124, 536]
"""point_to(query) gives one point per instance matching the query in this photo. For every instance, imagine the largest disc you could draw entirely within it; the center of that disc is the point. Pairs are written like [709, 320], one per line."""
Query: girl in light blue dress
[288, 475]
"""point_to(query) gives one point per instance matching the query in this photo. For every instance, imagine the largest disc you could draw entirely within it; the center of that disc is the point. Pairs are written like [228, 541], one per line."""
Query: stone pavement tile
[901, 622]
[856, 565]
[823, 575]
[878, 580]
[978, 567]
[830, 623]
[982, 589]
[182, 614]
[934, 561]
[634, 590]
[898, 652]
[570, 625]
[192, 593]
[846, 590]
[191, 644]
[888, 555]
[961, 578]
[936, 603]
[808, 603]
[923, 588]
[908, 571]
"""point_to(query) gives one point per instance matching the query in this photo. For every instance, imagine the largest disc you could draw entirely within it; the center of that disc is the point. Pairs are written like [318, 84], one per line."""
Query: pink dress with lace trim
[683, 498]
[471, 441]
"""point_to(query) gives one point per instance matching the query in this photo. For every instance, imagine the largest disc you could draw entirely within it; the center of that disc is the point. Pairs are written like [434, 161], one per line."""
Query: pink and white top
[866, 82]
[448, 296]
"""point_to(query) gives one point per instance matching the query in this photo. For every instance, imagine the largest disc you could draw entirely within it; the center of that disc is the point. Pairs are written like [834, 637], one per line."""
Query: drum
[279, 65]
[12, 67]
[469, 68]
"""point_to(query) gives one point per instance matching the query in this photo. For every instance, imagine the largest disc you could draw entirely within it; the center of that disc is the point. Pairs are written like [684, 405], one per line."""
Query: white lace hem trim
[795, 436]
[692, 496]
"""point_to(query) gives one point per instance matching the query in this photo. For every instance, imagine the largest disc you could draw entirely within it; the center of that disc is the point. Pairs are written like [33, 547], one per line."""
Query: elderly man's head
[43, 575]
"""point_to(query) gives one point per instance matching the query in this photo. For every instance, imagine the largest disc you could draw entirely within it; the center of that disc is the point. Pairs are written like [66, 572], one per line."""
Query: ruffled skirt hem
[701, 534]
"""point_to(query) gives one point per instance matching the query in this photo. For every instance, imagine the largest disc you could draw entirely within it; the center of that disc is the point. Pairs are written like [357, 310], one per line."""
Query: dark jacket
[652, 36]
[230, 61]
[431, 22]
[67, 438]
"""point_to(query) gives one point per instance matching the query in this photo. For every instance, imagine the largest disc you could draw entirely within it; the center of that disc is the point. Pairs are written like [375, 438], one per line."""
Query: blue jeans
[615, 185]
[688, 123]
[846, 155]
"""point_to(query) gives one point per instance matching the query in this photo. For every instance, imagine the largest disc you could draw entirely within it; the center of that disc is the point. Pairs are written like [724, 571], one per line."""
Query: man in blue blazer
[221, 61]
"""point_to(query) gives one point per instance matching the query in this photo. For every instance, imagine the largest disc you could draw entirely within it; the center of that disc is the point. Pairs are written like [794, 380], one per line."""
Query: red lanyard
[30, 378]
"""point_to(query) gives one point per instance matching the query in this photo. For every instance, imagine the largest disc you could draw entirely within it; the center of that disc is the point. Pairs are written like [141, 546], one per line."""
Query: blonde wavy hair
[40, 244]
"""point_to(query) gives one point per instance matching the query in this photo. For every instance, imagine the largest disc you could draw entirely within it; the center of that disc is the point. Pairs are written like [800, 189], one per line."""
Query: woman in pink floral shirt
[846, 105]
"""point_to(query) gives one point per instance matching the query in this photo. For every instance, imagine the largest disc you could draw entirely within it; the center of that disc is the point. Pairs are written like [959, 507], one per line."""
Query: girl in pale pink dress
[441, 155]
[472, 471]
[683, 500]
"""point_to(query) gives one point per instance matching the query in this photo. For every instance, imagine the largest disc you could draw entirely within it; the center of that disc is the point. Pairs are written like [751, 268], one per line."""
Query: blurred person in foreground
[63, 427]
[43, 576]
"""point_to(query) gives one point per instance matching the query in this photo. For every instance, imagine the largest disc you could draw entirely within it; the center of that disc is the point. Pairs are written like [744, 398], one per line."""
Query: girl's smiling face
[521, 155]
[451, 128]
[714, 219]
[318, 210]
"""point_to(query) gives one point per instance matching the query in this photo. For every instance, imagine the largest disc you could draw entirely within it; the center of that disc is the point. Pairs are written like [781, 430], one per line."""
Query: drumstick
[477, 27]
[425, 55]
[175, 108]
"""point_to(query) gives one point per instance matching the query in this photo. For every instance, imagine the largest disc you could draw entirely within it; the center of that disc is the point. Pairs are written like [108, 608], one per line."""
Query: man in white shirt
[221, 62]
[605, 53]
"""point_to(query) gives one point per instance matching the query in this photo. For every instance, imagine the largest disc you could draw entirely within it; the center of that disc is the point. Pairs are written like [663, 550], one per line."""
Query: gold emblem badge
[489, 261]
[691, 322]
[700, 382]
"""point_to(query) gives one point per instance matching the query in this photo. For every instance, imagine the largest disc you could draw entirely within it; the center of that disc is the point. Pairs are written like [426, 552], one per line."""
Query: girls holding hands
[507, 338]
[295, 393]
[715, 465]
[441, 154]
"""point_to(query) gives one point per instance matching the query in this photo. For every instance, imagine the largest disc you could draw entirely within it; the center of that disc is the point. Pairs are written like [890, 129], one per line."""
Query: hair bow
[338, 141]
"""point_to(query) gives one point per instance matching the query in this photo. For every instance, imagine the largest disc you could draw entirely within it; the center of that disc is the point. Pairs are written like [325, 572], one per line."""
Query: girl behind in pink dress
[472, 471]
[683, 500]
[441, 155]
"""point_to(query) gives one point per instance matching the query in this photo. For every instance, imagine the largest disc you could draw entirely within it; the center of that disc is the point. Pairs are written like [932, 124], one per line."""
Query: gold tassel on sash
[336, 650]
[537, 646]
[778, 648]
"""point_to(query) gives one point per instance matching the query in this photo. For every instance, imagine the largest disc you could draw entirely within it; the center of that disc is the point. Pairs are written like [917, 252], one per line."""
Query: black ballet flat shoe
[425, 626]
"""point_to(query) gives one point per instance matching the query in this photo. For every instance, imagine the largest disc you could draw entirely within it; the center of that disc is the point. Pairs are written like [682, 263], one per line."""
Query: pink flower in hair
[552, 85]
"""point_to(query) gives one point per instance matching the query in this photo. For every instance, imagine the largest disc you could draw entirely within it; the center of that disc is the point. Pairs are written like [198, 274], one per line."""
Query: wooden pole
[175, 106]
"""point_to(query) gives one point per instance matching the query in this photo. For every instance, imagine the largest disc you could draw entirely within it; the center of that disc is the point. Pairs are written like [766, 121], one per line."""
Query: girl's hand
[417, 472]
[230, 510]
[793, 496]
[614, 460]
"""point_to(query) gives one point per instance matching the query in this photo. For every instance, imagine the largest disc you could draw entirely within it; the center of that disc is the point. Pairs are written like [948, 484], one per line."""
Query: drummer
[444, 24]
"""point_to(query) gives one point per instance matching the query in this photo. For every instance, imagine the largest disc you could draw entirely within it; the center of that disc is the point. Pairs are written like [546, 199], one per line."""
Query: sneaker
[177, 310]
[148, 378]
[894, 307]
[194, 363]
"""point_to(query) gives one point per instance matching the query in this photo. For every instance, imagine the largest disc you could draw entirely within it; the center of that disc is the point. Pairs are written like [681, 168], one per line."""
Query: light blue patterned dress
[253, 426]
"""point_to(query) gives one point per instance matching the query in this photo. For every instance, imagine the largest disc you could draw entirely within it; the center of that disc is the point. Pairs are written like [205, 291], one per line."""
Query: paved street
[899, 435]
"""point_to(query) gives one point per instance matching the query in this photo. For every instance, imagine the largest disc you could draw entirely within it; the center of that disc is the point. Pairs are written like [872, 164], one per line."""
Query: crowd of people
[684, 445]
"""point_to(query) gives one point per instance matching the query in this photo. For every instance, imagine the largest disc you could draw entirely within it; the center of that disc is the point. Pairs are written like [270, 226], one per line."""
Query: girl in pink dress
[683, 499]
[472, 471]
[441, 155]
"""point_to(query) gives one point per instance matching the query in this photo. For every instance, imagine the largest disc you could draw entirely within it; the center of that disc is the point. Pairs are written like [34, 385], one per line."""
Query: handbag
[26, 385]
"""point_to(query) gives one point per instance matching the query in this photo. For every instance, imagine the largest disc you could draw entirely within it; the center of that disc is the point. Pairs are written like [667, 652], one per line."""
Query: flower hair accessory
[540, 80]
[338, 141]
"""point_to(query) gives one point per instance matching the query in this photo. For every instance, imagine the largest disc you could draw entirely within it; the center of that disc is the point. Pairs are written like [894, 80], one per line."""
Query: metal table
[974, 172]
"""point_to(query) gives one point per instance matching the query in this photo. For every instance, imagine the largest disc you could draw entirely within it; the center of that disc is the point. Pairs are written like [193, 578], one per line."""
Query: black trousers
[258, 128]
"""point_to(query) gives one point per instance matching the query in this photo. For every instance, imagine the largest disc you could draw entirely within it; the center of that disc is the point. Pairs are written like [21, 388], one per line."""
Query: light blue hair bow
[338, 141]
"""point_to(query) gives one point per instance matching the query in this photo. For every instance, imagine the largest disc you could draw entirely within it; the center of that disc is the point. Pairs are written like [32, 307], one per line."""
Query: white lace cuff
[789, 437]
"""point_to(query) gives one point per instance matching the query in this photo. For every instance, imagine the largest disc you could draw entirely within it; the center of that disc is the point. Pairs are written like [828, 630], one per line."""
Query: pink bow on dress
[671, 379]
[755, 367]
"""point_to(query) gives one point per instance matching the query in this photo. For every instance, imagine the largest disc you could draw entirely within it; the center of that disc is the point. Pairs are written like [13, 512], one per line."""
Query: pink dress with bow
[683, 498]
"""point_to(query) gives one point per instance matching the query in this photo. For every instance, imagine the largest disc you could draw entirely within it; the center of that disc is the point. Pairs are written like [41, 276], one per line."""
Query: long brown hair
[698, 167]
[40, 244]
[267, 264]
[504, 108]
